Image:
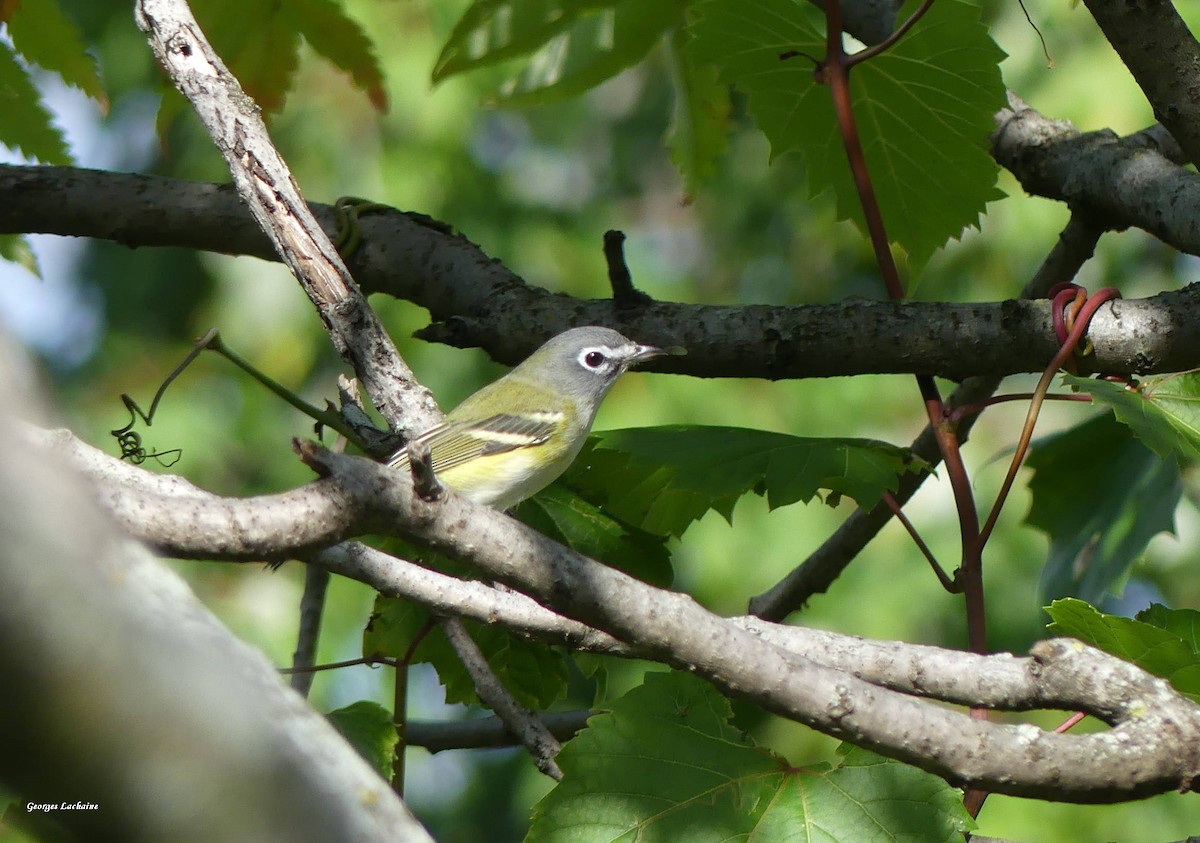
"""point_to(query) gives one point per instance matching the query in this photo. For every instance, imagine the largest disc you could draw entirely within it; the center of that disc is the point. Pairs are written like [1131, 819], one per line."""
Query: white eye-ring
[593, 359]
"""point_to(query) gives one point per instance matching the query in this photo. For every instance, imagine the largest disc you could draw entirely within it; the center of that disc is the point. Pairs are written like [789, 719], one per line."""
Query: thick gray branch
[1163, 56]
[1153, 747]
[1132, 182]
[480, 302]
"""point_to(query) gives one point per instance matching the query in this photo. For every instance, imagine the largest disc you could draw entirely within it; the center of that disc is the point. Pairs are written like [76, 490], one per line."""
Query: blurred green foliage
[536, 188]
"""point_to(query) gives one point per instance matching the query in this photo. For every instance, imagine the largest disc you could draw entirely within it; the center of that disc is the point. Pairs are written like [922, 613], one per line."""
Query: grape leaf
[1100, 495]
[50, 39]
[342, 41]
[666, 764]
[662, 479]
[572, 45]
[16, 248]
[569, 519]
[1184, 623]
[924, 110]
[368, 727]
[25, 123]
[1164, 412]
[534, 673]
[1151, 647]
[700, 120]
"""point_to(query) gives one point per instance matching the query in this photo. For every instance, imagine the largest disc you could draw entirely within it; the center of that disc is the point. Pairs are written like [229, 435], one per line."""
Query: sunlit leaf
[25, 123]
[47, 37]
[664, 478]
[569, 46]
[667, 765]
[342, 41]
[16, 248]
[1164, 411]
[1153, 648]
[1100, 495]
[924, 110]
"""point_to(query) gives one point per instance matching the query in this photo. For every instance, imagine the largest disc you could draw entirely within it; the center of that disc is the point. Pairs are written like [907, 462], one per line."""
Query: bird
[515, 436]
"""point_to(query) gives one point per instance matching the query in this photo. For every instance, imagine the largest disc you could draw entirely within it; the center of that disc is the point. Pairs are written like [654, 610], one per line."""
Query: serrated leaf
[924, 110]
[368, 727]
[535, 673]
[666, 764]
[662, 479]
[1150, 647]
[16, 248]
[25, 124]
[494, 31]
[698, 133]
[569, 519]
[1164, 411]
[1100, 495]
[341, 40]
[258, 41]
[46, 36]
[571, 46]
[1184, 623]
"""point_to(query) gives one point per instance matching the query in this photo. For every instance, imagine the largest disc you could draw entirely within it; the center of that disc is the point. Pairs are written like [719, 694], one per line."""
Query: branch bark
[1164, 58]
[475, 300]
[264, 182]
[1154, 745]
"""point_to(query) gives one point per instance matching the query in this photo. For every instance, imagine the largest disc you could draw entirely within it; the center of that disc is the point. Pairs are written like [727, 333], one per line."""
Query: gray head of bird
[587, 361]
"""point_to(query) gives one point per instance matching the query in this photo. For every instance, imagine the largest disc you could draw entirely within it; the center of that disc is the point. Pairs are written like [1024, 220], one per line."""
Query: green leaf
[25, 124]
[16, 248]
[50, 39]
[1164, 411]
[258, 41]
[662, 479]
[1184, 623]
[569, 519]
[368, 727]
[924, 110]
[342, 41]
[535, 674]
[698, 133]
[666, 764]
[1100, 495]
[572, 45]
[1151, 647]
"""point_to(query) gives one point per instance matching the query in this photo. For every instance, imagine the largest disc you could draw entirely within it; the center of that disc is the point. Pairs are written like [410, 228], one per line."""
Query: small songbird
[515, 436]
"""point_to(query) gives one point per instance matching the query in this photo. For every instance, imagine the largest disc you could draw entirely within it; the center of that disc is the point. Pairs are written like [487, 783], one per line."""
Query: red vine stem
[1084, 316]
[835, 71]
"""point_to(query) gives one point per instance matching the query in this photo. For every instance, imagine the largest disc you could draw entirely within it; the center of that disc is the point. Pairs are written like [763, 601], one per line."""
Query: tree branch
[479, 302]
[1164, 58]
[522, 722]
[265, 184]
[1154, 745]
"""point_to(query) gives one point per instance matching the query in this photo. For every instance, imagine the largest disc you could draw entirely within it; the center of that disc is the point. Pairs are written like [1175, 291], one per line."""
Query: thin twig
[312, 607]
[523, 723]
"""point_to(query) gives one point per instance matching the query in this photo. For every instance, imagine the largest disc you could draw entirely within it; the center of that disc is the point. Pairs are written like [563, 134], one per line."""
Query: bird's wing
[453, 443]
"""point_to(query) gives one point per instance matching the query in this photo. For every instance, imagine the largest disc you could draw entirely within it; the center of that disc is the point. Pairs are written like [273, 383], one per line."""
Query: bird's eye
[594, 359]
